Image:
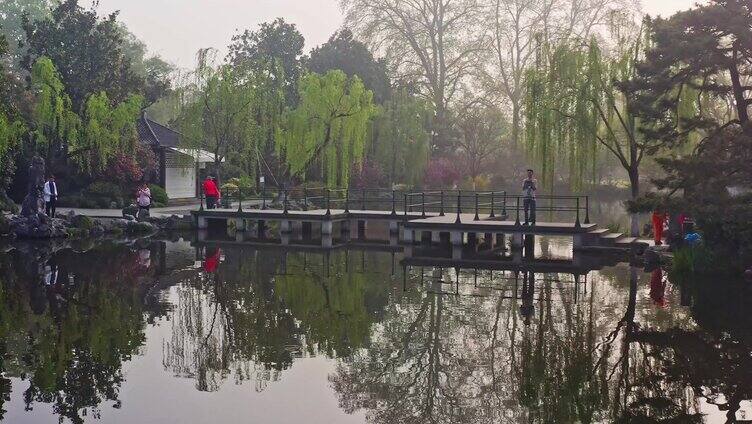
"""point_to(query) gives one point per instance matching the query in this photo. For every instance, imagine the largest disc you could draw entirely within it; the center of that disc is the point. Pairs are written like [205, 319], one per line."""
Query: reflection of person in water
[658, 287]
[211, 261]
[528, 289]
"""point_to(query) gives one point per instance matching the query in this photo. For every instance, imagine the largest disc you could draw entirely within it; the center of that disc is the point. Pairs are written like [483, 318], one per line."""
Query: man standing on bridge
[529, 187]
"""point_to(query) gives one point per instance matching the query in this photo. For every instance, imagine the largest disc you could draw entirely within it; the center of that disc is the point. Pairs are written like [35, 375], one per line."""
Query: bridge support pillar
[326, 228]
[455, 238]
[394, 227]
[361, 227]
[457, 252]
[202, 223]
[393, 239]
[326, 240]
[435, 237]
[239, 224]
[239, 236]
[408, 235]
[285, 226]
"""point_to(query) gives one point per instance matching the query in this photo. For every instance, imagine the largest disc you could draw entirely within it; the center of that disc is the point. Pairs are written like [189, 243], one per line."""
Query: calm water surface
[174, 332]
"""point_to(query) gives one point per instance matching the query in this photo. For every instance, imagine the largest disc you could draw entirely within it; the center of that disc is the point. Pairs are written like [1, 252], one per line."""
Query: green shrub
[158, 196]
[102, 194]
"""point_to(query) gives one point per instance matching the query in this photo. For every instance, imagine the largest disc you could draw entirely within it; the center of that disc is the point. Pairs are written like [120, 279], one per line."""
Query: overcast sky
[176, 29]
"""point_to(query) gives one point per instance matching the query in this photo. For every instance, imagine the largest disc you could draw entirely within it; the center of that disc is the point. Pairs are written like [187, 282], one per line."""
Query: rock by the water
[82, 221]
[38, 226]
[143, 214]
[136, 227]
[130, 210]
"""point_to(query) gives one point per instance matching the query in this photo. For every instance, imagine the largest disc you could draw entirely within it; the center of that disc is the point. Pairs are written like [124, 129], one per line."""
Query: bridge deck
[487, 224]
[309, 215]
[431, 221]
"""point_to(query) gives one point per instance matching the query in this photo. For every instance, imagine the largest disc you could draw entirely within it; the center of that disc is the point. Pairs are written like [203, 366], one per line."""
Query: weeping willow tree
[328, 128]
[107, 131]
[59, 133]
[55, 124]
[561, 116]
[399, 141]
[230, 112]
[575, 108]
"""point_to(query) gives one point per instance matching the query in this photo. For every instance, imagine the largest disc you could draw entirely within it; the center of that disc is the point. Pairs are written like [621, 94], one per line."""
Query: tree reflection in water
[412, 345]
[70, 320]
[443, 358]
[260, 310]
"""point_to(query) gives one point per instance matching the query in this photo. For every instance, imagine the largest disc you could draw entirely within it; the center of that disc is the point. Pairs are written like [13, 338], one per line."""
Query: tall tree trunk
[516, 121]
[634, 182]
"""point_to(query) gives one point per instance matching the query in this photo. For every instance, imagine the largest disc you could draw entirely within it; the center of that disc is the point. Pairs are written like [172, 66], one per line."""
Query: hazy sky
[176, 29]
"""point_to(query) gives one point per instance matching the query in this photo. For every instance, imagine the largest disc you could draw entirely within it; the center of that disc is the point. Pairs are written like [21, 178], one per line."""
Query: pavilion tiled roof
[155, 134]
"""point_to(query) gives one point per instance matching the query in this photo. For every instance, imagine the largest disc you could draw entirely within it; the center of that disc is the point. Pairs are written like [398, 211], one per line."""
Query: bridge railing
[493, 204]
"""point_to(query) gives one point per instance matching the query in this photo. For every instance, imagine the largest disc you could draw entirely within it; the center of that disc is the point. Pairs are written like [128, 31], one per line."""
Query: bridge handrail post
[363, 200]
[394, 202]
[328, 211]
[577, 220]
[405, 204]
[504, 205]
[285, 202]
[305, 199]
[492, 214]
[517, 220]
[459, 207]
[201, 200]
[441, 210]
[347, 200]
[423, 203]
[476, 218]
[587, 209]
[263, 197]
[240, 200]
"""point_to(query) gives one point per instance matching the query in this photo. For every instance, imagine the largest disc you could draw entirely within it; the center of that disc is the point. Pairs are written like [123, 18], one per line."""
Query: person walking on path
[211, 192]
[143, 198]
[529, 187]
[659, 219]
[50, 196]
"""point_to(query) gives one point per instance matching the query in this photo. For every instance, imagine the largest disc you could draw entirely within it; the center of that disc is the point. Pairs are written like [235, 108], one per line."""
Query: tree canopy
[87, 51]
[275, 45]
[352, 57]
[231, 112]
[328, 127]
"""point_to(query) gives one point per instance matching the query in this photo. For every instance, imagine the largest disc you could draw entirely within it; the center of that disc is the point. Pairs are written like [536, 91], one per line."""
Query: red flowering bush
[441, 173]
[127, 169]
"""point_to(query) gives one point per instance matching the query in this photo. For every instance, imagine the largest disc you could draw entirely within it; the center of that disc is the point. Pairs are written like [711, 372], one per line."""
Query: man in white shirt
[50, 196]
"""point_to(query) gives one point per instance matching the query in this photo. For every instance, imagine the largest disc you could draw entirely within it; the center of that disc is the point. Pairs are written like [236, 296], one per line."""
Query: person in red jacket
[211, 192]
[659, 218]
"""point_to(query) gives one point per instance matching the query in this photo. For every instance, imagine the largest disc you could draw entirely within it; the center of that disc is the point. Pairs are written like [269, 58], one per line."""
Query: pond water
[177, 332]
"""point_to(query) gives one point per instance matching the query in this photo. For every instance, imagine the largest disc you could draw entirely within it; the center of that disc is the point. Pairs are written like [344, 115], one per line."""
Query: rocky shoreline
[71, 225]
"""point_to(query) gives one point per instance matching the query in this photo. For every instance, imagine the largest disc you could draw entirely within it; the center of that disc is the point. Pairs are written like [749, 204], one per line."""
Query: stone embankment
[71, 225]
